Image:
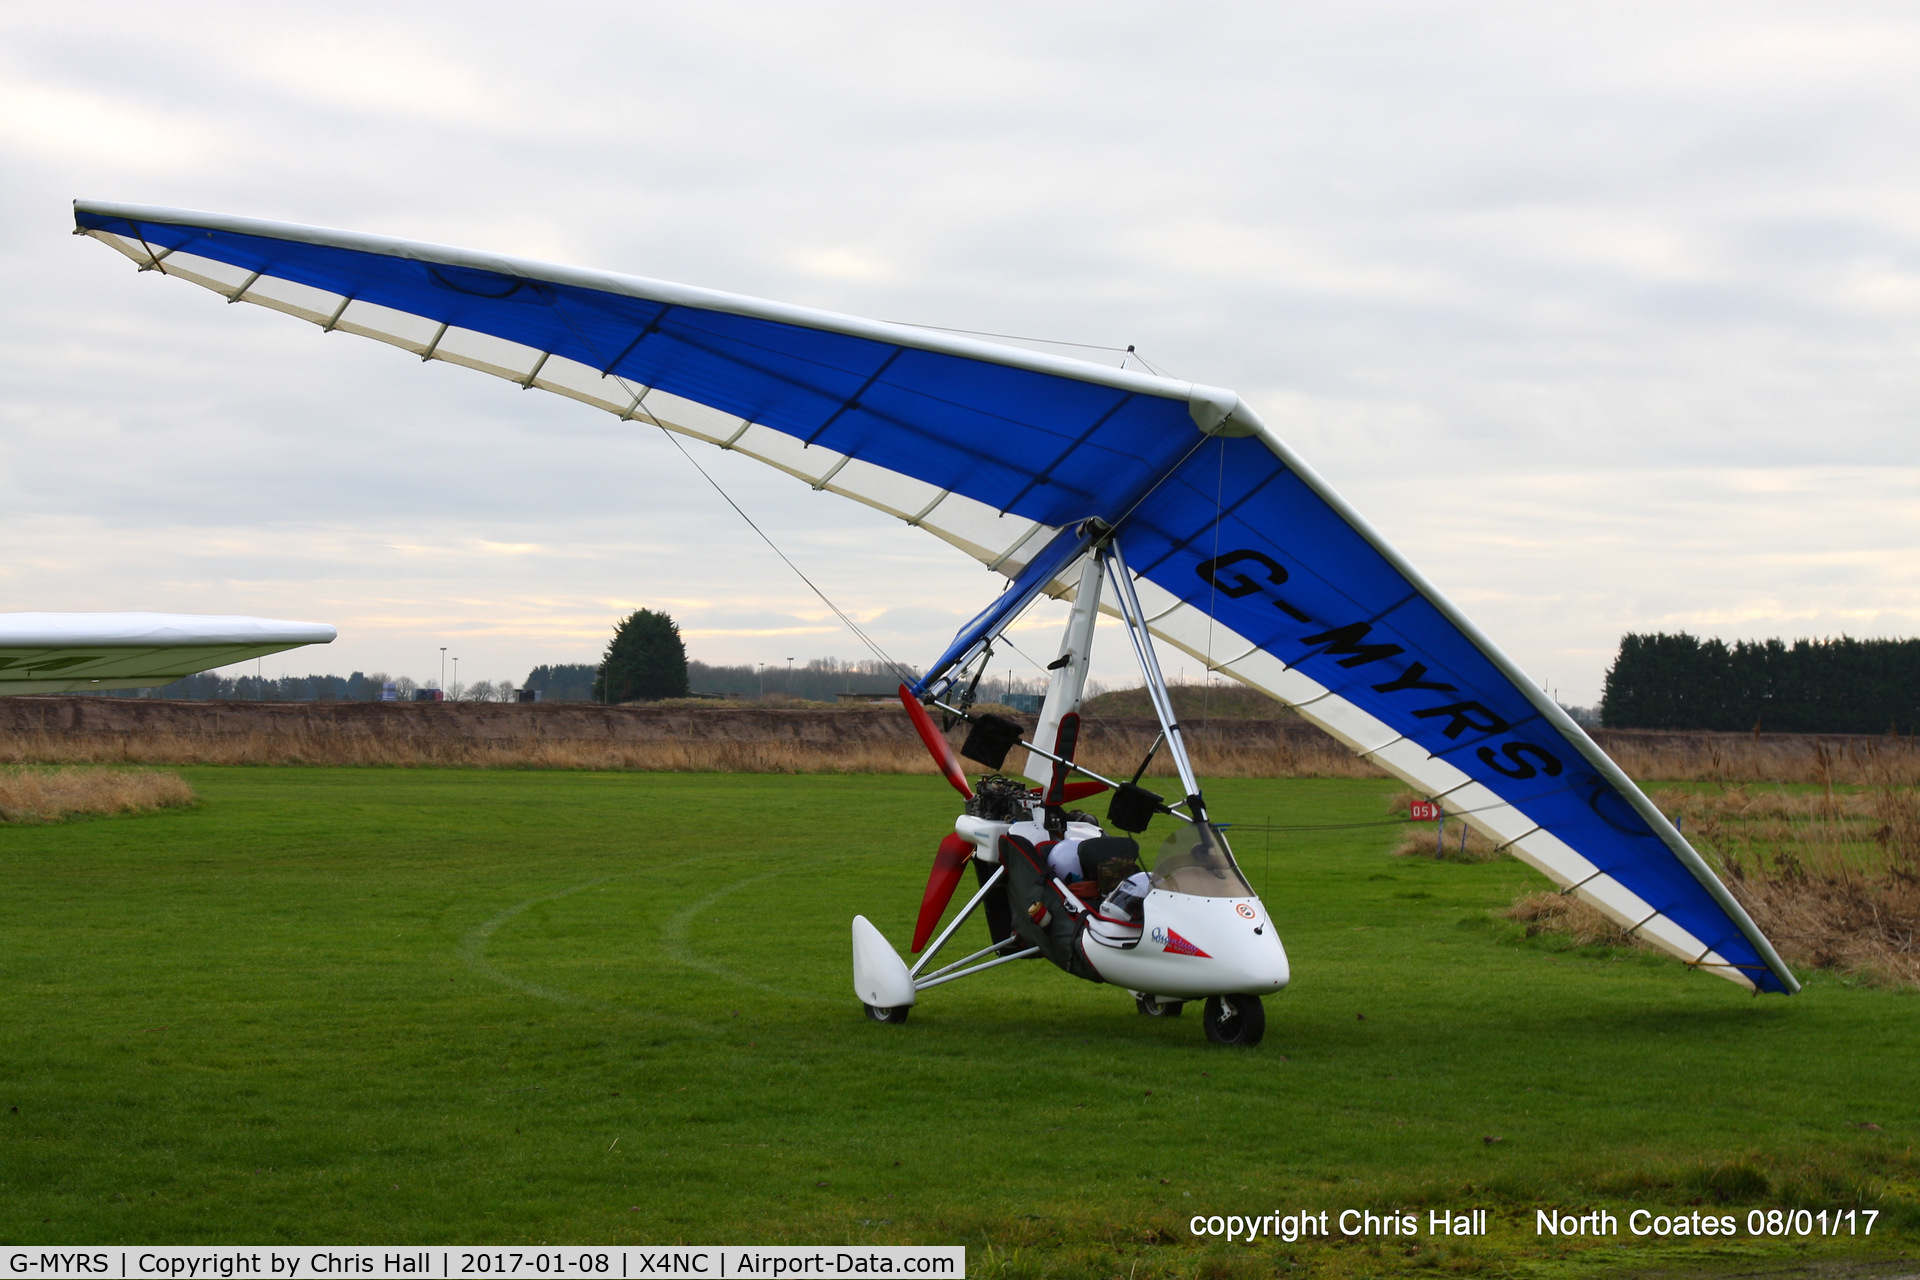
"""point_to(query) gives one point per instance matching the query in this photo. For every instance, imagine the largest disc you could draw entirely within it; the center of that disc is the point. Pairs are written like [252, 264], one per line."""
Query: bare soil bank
[77, 728]
[869, 739]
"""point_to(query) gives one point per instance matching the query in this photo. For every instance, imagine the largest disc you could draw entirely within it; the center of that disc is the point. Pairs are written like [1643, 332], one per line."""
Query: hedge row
[1680, 681]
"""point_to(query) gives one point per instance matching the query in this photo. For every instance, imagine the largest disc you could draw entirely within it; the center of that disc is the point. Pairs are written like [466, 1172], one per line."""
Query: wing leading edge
[1247, 560]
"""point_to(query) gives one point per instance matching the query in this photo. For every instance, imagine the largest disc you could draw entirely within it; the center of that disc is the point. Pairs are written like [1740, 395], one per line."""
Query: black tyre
[1235, 1020]
[1158, 1008]
[884, 1013]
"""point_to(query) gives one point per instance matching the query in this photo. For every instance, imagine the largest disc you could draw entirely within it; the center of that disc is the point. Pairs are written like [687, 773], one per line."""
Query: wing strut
[1136, 621]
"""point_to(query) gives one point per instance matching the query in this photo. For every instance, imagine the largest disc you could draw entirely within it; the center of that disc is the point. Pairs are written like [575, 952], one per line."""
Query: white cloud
[1608, 314]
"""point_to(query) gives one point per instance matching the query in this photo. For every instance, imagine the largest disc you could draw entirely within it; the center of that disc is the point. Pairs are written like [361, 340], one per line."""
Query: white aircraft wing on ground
[88, 652]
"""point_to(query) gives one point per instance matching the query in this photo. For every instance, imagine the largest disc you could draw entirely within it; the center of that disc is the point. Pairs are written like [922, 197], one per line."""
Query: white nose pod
[880, 976]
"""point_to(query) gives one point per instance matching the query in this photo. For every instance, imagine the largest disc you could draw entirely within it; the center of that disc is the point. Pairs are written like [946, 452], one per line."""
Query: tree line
[1680, 681]
[646, 660]
[359, 687]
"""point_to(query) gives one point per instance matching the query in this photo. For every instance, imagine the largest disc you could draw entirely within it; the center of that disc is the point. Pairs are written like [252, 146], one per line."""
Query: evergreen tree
[1841, 685]
[646, 660]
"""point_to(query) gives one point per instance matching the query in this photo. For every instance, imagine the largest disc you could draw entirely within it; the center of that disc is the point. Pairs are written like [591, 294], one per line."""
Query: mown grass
[345, 1005]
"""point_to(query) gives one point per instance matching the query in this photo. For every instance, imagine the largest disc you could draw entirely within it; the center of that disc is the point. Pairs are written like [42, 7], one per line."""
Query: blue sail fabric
[1226, 524]
[1049, 448]
[1240, 535]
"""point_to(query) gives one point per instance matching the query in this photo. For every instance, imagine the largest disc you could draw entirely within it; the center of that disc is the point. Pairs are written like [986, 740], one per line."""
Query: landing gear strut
[1154, 1007]
[1235, 1020]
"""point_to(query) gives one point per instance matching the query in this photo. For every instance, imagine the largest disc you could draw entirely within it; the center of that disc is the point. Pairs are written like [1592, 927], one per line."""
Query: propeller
[1064, 743]
[948, 863]
[942, 753]
[1060, 791]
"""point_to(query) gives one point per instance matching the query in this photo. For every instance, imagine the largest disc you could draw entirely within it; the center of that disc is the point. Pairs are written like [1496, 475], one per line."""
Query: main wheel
[885, 1013]
[1235, 1020]
[1155, 1008]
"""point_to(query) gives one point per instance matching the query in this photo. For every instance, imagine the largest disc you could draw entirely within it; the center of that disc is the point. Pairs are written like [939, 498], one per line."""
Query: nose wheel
[1235, 1020]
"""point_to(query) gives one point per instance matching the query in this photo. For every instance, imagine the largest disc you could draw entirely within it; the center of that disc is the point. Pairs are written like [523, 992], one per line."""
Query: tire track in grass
[675, 947]
[473, 954]
[473, 947]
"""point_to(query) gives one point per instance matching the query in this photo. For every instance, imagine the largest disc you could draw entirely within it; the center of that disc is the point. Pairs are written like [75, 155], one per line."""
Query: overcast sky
[1608, 316]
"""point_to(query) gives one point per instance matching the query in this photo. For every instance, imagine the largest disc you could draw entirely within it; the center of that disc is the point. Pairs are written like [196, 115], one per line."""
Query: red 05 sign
[1423, 811]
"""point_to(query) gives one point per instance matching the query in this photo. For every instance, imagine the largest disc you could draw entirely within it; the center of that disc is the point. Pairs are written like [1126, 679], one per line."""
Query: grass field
[370, 1005]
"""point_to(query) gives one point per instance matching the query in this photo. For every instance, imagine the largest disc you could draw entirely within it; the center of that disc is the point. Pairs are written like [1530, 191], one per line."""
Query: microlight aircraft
[1052, 882]
[1201, 528]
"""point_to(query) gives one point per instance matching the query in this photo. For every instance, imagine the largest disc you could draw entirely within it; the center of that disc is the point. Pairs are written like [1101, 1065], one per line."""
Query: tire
[890, 1014]
[1237, 1020]
[1153, 1008]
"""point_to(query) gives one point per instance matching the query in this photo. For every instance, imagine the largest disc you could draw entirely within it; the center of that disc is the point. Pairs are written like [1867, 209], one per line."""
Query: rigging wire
[1312, 826]
[1037, 664]
[906, 676]
[1009, 337]
[1127, 352]
[1392, 822]
[1151, 367]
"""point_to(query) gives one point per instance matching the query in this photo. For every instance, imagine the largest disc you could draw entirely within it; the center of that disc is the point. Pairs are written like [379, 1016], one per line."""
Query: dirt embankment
[75, 729]
[1700, 756]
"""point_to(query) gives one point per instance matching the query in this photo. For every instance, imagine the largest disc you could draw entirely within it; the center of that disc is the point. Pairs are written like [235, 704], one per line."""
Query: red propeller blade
[942, 751]
[1080, 790]
[947, 866]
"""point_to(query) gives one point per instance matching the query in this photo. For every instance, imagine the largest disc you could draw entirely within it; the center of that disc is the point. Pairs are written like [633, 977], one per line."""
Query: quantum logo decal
[1246, 912]
[1175, 945]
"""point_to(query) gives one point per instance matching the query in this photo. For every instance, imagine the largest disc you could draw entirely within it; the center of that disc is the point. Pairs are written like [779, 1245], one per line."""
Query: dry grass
[1551, 911]
[1229, 749]
[309, 748]
[1110, 751]
[1193, 704]
[1462, 843]
[1784, 758]
[1832, 877]
[48, 795]
[1292, 757]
